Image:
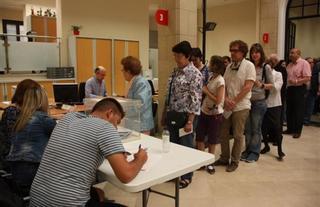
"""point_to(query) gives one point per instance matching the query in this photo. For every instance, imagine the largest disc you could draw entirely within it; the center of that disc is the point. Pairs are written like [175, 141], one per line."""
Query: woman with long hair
[9, 118]
[264, 82]
[30, 137]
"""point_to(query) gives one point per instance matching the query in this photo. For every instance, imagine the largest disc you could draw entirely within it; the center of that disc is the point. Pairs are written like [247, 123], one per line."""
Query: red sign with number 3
[162, 16]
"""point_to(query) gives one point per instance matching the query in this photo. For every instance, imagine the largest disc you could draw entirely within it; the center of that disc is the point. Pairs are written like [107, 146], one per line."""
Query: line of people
[235, 98]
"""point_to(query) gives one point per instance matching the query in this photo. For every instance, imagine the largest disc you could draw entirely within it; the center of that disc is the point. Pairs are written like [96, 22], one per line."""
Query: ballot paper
[227, 114]
[153, 157]
[184, 133]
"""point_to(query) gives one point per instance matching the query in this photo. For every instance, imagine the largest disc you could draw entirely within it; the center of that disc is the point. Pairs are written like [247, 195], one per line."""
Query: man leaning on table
[77, 147]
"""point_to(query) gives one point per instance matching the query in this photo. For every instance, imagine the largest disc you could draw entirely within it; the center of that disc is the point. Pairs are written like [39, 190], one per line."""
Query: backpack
[264, 78]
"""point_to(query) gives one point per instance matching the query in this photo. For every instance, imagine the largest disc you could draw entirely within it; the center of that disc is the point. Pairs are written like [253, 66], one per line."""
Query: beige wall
[307, 37]
[116, 19]
[234, 21]
[10, 14]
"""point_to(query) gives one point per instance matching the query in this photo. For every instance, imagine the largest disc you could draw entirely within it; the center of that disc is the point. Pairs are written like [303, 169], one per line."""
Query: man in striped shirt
[77, 147]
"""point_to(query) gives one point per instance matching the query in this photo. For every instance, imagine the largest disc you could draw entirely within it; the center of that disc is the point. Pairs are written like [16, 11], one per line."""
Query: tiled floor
[295, 182]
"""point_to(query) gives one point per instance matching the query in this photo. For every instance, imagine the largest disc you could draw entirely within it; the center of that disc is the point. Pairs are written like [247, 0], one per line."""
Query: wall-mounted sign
[265, 38]
[162, 16]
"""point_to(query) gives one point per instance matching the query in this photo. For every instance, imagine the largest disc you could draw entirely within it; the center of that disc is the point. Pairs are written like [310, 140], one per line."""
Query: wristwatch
[262, 86]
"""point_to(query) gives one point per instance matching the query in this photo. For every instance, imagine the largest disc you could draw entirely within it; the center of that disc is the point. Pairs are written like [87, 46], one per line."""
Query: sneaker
[244, 156]
[252, 158]
[220, 162]
[232, 167]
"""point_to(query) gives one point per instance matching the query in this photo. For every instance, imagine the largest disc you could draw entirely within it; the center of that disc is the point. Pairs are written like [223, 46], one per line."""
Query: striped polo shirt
[76, 148]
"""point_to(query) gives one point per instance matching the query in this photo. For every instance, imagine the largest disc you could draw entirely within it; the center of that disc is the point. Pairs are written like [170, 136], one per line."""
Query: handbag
[175, 119]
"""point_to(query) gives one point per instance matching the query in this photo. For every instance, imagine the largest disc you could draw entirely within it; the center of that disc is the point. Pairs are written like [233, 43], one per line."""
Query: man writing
[77, 147]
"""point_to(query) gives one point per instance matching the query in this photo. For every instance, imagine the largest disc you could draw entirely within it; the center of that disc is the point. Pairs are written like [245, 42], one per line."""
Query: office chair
[154, 104]
[82, 91]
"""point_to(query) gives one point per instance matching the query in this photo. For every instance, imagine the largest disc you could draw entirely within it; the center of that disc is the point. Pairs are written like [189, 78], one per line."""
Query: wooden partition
[44, 26]
[119, 53]
[47, 85]
[133, 48]
[92, 52]
[84, 59]
[104, 58]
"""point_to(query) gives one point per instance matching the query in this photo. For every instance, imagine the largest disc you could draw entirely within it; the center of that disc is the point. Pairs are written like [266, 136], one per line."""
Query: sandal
[184, 183]
[210, 169]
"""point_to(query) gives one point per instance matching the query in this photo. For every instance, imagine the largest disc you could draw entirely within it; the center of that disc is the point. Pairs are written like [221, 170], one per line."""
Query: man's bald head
[295, 54]
[100, 72]
[273, 60]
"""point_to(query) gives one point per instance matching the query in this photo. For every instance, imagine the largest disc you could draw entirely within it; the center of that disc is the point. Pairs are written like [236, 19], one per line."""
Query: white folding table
[162, 167]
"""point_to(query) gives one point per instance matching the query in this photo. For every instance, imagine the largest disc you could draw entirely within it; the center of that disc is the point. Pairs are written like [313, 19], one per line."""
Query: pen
[143, 148]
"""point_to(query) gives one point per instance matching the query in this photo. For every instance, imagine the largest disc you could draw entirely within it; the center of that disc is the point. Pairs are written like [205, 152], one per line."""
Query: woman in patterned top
[183, 100]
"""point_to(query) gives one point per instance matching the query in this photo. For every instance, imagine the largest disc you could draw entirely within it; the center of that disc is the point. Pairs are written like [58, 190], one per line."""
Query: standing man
[299, 74]
[239, 77]
[96, 86]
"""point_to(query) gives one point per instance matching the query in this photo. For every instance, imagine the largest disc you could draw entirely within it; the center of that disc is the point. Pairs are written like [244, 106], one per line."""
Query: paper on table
[123, 132]
[184, 133]
[153, 159]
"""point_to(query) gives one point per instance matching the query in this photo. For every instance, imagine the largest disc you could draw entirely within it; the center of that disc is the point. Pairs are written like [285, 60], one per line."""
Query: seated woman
[139, 88]
[30, 136]
[10, 115]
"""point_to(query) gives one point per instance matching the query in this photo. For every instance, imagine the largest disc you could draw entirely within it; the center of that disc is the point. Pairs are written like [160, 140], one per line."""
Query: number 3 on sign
[161, 17]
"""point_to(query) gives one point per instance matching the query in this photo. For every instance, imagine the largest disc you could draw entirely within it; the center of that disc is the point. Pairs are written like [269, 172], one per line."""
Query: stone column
[269, 12]
[182, 26]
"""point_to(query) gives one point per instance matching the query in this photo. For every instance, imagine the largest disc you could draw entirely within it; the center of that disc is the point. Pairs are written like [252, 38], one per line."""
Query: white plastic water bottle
[165, 141]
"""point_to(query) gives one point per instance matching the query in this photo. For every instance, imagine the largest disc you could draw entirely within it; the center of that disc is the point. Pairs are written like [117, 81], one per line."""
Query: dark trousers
[94, 201]
[23, 174]
[186, 140]
[271, 127]
[309, 106]
[295, 108]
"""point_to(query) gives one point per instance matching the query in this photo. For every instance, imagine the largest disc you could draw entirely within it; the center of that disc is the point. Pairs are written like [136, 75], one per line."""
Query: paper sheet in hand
[227, 114]
[184, 133]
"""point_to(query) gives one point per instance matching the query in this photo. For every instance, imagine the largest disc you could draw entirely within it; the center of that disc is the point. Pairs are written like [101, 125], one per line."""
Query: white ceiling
[19, 4]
